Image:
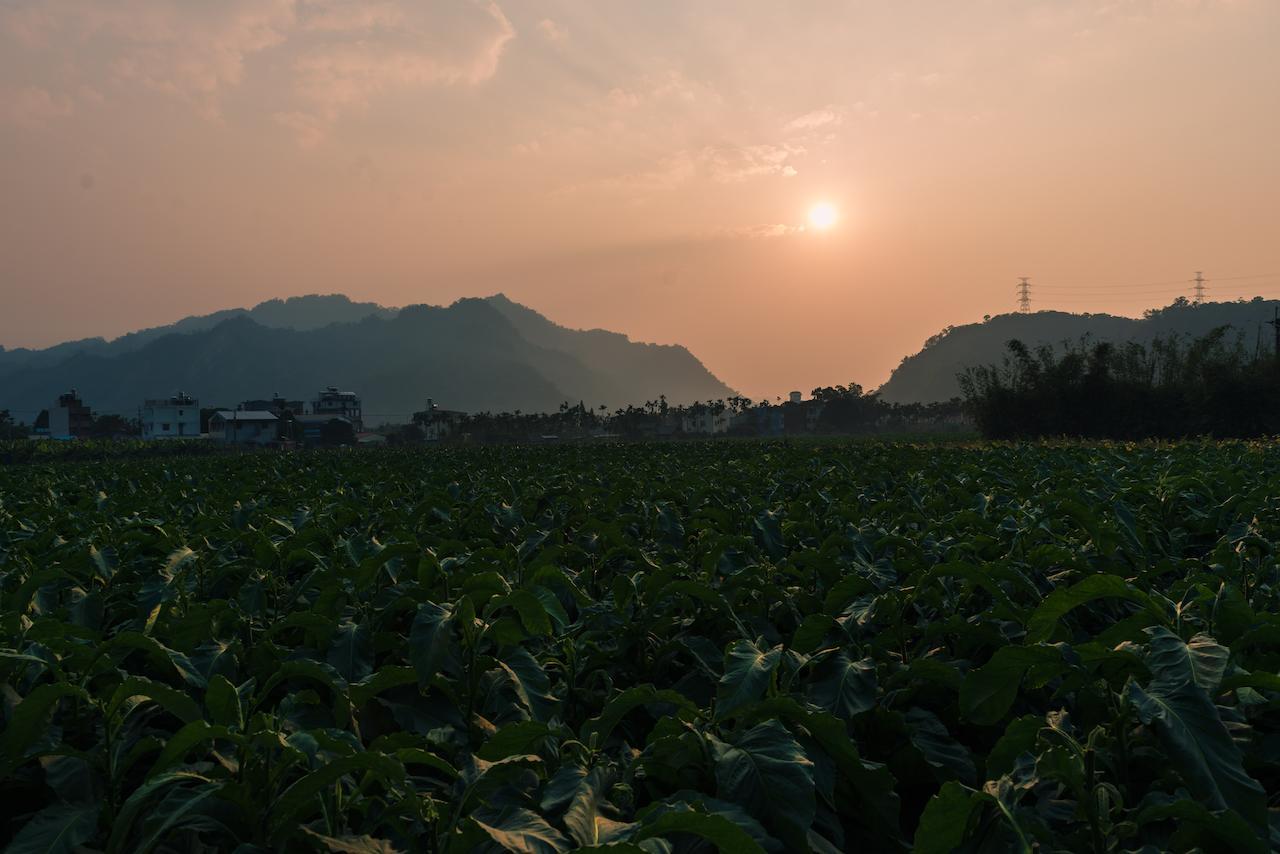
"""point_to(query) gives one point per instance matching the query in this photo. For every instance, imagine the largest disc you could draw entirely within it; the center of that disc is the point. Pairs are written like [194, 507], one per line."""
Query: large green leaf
[171, 700]
[56, 829]
[28, 723]
[939, 748]
[183, 741]
[533, 687]
[519, 830]
[1197, 825]
[845, 687]
[351, 651]
[946, 818]
[1177, 706]
[123, 822]
[351, 844]
[432, 640]
[726, 836]
[877, 805]
[988, 692]
[582, 816]
[223, 703]
[1057, 604]
[766, 771]
[747, 673]
[633, 698]
[298, 799]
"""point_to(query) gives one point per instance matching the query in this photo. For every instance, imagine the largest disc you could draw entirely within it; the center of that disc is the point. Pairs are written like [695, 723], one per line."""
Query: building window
[164, 427]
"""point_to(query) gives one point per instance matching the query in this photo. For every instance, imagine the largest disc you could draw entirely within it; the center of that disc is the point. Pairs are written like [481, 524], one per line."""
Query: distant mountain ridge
[931, 374]
[476, 354]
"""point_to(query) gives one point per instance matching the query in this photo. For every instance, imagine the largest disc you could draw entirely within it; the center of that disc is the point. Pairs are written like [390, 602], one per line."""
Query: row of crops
[742, 646]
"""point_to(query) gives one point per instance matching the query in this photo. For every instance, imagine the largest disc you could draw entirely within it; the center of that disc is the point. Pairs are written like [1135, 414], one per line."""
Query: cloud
[761, 232]
[552, 32]
[189, 50]
[360, 51]
[814, 120]
[337, 17]
[667, 174]
[670, 88]
[734, 164]
[32, 107]
[336, 54]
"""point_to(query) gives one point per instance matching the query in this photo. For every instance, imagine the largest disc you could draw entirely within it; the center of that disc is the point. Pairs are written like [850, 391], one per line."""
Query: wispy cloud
[553, 32]
[365, 51]
[32, 107]
[729, 164]
[193, 51]
[825, 117]
[335, 54]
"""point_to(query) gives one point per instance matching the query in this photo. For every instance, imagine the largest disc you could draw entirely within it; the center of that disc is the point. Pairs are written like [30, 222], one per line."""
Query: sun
[823, 215]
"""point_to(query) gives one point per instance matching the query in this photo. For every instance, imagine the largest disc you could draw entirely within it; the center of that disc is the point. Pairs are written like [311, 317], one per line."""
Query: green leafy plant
[737, 646]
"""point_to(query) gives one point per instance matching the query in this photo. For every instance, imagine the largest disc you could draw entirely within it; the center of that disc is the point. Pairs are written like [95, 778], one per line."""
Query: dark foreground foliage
[1169, 388]
[660, 648]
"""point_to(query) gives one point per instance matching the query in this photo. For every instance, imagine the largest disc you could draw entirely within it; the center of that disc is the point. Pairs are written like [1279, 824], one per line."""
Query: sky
[643, 167]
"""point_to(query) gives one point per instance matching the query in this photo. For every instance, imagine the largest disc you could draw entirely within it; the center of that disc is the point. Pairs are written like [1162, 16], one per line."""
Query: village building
[323, 430]
[69, 418]
[243, 426]
[276, 405]
[706, 421]
[344, 404]
[437, 423]
[171, 418]
[759, 421]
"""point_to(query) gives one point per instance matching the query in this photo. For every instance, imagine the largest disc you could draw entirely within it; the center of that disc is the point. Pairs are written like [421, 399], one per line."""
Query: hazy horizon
[645, 169]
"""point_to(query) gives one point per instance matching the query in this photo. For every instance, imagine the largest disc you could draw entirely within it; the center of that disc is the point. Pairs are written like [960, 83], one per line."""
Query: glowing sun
[823, 216]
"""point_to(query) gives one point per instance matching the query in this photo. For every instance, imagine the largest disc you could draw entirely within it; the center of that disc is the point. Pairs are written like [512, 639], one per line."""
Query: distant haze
[642, 167]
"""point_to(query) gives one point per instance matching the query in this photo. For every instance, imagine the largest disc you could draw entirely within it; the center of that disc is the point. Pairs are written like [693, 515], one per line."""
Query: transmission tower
[1199, 280]
[1024, 295]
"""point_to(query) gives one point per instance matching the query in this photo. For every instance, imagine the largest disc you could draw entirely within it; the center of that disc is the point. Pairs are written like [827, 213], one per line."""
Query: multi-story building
[438, 423]
[276, 404]
[343, 404]
[69, 418]
[171, 417]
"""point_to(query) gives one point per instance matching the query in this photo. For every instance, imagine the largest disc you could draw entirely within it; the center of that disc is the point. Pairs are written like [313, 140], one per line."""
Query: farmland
[688, 646]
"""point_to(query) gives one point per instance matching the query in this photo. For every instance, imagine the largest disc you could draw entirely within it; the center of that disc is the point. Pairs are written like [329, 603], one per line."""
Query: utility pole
[1024, 295]
[1275, 324]
[1199, 280]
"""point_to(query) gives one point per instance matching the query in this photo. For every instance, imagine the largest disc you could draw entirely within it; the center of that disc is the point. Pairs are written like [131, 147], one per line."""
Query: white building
[706, 422]
[171, 418]
[243, 426]
[69, 418]
[437, 423]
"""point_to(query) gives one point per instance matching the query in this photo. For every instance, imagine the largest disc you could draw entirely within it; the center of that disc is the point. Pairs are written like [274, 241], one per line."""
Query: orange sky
[643, 167]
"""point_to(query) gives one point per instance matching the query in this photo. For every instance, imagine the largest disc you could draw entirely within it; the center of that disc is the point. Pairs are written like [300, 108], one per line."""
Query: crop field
[681, 647]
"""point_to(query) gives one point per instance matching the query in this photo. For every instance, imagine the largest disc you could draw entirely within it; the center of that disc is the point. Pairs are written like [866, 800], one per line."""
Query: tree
[11, 429]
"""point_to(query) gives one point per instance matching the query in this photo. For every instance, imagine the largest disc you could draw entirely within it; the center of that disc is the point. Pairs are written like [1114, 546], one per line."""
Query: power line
[1024, 295]
[1116, 284]
[1255, 276]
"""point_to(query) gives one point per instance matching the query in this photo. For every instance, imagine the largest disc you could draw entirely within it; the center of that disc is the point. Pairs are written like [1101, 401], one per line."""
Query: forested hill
[930, 375]
[477, 354]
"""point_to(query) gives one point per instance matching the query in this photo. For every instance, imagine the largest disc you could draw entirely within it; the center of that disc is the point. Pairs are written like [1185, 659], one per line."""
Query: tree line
[1172, 387]
[832, 410]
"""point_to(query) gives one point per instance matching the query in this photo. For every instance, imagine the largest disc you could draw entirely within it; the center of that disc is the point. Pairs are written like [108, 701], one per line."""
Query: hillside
[930, 375]
[306, 312]
[477, 354]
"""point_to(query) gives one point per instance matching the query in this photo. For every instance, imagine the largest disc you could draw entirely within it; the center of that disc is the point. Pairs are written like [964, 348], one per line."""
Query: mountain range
[931, 374]
[474, 355]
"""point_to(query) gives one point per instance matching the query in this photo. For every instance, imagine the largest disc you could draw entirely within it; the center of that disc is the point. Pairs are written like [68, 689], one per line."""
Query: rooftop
[244, 415]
